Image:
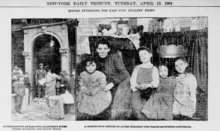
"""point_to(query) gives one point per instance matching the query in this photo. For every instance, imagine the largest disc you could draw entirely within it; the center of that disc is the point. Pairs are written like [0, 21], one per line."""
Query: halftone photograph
[142, 69]
[43, 69]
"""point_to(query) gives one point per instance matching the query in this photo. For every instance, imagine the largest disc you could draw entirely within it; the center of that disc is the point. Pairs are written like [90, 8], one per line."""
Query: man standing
[40, 74]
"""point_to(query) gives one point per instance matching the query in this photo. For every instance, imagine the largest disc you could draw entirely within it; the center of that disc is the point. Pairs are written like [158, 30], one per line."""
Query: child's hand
[93, 92]
[108, 87]
[141, 86]
[145, 86]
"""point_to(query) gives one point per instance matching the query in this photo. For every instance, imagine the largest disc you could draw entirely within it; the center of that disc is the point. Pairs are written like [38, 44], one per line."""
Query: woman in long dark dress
[117, 81]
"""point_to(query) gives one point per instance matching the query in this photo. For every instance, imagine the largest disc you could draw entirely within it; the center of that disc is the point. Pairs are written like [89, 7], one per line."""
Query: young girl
[92, 98]
[185, 92]
[159, 106]
[145, 76]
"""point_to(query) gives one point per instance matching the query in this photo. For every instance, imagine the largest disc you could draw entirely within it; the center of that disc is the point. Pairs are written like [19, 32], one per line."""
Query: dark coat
[113, 67]
[115, 72]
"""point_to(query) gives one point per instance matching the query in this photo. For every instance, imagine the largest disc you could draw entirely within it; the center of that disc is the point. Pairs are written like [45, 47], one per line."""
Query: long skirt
[121, 106]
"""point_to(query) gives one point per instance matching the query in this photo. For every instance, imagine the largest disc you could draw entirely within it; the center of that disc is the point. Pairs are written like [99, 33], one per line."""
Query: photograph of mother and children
[142, 69]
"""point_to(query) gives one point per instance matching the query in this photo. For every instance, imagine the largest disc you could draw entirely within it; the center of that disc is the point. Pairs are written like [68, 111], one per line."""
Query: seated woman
[117, 81]
[92, 98]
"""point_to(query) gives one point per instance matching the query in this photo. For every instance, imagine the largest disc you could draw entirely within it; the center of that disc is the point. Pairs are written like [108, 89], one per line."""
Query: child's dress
[93, 105]
[185, 96]
[160, 104]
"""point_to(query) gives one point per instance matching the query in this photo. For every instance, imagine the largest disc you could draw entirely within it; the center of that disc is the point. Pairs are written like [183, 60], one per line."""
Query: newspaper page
[109, 65]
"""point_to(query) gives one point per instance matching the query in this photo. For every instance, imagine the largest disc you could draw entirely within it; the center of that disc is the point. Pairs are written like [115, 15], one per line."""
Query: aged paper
[91, 14]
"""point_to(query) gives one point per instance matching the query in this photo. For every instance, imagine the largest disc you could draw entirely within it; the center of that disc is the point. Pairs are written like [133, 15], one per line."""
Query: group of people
[21, 87]
[47, 84]
[108, 92]
[50, 84]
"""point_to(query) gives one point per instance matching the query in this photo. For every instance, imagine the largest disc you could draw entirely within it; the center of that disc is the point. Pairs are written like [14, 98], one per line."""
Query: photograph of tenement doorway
[115, 44]
[43, 54]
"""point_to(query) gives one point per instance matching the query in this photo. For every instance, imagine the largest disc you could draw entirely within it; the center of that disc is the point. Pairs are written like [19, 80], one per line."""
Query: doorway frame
[57, 30]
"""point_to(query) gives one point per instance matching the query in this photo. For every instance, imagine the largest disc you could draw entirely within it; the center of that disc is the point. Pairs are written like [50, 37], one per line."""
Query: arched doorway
[35, 51]
[46, 50]
[57, 33]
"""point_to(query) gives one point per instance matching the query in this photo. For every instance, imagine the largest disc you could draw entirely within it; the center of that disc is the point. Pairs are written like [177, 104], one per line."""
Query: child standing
[92, 98]
[19, 89]
[160, 104]
[144, 77]
[27, 85]
[184, 105]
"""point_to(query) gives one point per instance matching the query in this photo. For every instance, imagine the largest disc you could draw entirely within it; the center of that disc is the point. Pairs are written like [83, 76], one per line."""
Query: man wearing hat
[40, 74]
